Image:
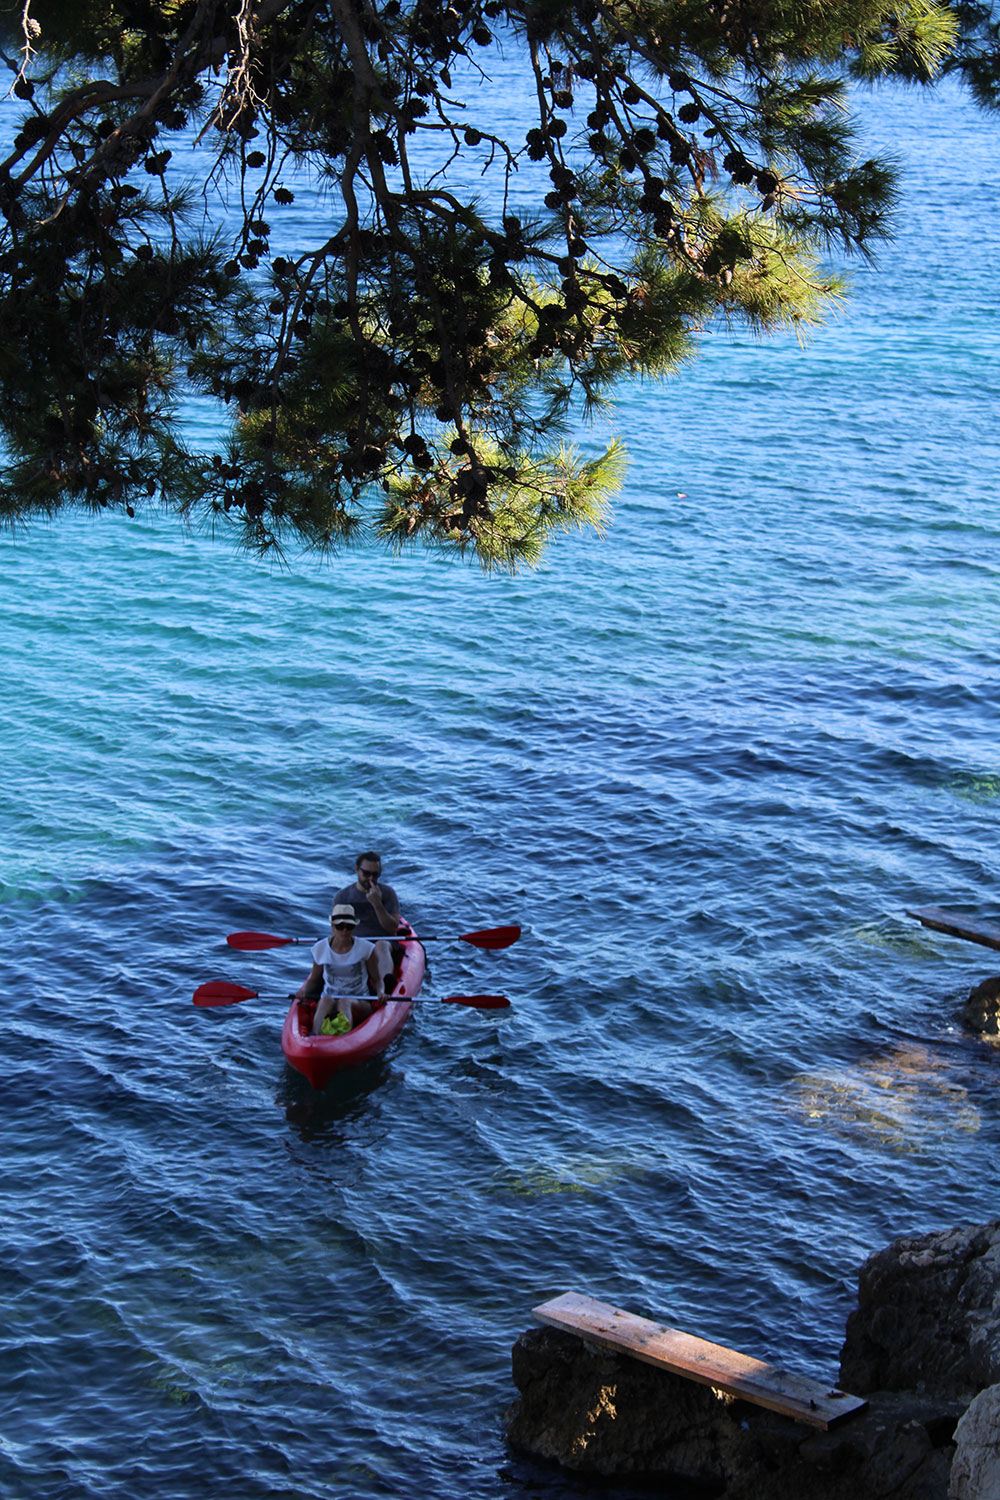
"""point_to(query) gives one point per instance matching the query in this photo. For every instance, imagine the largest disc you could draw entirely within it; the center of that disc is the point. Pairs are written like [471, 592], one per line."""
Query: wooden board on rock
[796, 1396]
[975, 929]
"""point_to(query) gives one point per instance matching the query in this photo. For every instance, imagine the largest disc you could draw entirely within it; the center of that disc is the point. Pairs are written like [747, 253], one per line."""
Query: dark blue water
[707, 762]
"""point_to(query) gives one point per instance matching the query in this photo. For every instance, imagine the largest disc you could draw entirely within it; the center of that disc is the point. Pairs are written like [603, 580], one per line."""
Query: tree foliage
[409, 363]
[976, 57]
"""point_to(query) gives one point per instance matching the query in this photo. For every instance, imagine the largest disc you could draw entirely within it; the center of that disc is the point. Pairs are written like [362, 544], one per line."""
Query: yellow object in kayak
[335, 1025]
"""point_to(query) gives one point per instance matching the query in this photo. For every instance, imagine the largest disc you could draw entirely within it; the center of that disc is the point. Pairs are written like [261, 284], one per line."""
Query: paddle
[490, 937]
[221, 992]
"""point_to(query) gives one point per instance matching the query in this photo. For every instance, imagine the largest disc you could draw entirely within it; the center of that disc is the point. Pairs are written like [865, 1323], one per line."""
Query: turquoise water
[707, 762]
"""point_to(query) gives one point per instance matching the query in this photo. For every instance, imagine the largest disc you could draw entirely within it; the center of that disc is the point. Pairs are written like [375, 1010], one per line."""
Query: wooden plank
[977, 930]
[796, 1396]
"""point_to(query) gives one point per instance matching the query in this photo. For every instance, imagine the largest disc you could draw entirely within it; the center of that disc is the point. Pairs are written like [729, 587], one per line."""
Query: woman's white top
[344, 973]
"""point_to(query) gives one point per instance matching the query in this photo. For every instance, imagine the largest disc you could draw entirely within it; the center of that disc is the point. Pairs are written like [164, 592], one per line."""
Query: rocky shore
[923, 1346]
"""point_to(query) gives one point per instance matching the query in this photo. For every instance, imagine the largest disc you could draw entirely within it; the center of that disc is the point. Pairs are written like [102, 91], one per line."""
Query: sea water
[706, 761]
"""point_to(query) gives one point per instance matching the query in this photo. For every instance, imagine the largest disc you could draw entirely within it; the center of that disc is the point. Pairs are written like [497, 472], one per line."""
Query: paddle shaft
[220, 992]
[489, 937]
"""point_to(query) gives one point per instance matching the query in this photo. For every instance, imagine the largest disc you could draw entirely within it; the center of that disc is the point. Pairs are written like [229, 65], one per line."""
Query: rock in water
[927, 1315]
[602, 1413]
[923, 1343]
[982, 1009]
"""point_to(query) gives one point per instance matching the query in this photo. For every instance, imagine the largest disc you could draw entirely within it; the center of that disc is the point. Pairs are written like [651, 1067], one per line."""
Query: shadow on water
[317, 1115]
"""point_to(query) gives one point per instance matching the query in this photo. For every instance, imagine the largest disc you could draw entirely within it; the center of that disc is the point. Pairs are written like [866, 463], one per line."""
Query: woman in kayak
[342, 965]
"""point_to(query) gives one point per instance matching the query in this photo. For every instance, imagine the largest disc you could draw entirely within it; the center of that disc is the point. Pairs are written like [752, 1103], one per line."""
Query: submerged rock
[924, 1340]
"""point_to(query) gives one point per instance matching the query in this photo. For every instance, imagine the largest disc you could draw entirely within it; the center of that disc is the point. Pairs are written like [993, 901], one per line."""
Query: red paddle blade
[221, 992]
[492, 937]
[253, 942]
[479, 1002]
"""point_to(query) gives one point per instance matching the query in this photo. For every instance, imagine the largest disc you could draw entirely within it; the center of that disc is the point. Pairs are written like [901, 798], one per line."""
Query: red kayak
[320, 1058]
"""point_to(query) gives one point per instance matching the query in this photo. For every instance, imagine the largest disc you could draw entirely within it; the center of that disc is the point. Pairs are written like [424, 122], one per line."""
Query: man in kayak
[376, 906]
[341, 965]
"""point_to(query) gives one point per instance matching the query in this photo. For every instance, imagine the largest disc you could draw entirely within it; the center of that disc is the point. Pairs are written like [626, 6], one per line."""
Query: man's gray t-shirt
[369, 925]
